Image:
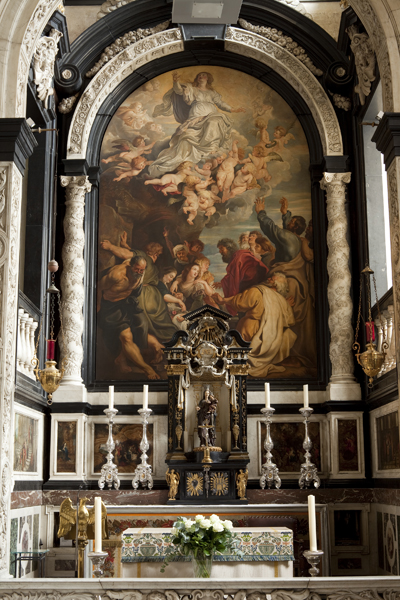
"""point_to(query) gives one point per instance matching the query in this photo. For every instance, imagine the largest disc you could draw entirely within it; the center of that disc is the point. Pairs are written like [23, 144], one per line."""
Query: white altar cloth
[143, 550]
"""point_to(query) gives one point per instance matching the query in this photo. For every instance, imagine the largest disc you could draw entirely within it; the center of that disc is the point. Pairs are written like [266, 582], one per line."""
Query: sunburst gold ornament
[194, 484]
[219, 484]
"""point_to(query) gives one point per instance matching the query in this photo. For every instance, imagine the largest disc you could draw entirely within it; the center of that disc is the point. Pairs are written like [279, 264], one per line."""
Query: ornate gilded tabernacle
[207, 410]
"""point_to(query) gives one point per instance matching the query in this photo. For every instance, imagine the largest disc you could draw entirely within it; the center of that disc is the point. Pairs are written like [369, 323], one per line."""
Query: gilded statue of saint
[172, 478]
[241, 483]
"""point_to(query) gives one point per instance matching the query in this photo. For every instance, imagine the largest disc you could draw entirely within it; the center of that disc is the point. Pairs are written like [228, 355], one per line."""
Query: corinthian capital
[334, 182]
[76, 186]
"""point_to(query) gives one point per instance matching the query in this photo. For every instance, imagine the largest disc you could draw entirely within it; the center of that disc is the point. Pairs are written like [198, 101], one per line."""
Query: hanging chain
[40, 326]
[52, 317]
[356, 345]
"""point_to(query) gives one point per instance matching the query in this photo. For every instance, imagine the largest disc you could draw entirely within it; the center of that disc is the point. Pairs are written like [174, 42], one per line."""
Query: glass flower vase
[202, 565]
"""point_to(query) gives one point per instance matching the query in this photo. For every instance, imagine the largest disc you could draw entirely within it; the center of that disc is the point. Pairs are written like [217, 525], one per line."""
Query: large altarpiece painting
[205, 198]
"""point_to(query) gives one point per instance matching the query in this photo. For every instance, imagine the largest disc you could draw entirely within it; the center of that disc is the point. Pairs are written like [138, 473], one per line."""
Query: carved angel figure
[43, 64]
[172, 478]
[86, 518]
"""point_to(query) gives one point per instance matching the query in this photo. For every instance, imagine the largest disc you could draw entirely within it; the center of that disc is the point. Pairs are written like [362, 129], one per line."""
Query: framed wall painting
[349, 528]
[183, 161]
[287, 433]
[385, 440]
[68, 446]
[28, 443]
[347, 455]
[127, 434]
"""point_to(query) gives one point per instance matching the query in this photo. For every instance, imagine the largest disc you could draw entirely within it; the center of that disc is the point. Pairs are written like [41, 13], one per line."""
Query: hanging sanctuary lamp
[371, 360]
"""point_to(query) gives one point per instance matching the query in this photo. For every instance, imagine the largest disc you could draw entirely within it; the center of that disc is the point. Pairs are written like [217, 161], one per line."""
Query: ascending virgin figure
[204, 130]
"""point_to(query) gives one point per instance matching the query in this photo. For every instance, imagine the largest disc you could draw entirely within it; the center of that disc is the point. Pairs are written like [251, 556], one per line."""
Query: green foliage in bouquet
[201, 537]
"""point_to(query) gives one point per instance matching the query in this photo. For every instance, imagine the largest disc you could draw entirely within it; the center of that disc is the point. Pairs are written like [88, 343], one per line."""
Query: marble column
[387, 139]
[343, 385]
[16, 144]
[72, 288]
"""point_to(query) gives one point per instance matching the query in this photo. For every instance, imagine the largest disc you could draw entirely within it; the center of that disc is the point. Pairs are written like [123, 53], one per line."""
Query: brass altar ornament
[173, 479]
[79, 525]
[241, 483]
[50, 377]
[371, 360]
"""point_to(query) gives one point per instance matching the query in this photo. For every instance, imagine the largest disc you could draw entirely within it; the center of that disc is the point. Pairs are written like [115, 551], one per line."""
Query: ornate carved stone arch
[170, 42]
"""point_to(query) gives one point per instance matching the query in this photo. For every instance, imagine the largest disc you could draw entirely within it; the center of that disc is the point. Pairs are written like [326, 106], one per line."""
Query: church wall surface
[376, 508]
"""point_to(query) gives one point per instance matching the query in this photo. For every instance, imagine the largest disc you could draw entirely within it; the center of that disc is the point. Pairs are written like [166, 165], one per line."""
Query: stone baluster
[34, 325]
[343, 385]
[24, 319]
[19, 341]
[392, 347]
[72, 279]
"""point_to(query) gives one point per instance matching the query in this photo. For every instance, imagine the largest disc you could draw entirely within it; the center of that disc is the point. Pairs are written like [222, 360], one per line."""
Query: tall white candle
[267, 396]
[312, 523]
[145, 396]
[305, 395]
[111, 396]
[97, 524]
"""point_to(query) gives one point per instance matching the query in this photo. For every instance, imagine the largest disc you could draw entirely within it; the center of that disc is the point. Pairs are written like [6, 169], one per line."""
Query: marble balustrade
[26, 329]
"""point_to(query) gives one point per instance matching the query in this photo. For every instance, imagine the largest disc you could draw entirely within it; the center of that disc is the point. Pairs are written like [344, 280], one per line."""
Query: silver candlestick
[143, 471]
[313, 557]
[308, 471]
[98, 559]
[269, 470]
[109, 471]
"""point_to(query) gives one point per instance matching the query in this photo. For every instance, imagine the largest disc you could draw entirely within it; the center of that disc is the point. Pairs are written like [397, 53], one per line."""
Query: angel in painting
[128, 151]
[204, 130]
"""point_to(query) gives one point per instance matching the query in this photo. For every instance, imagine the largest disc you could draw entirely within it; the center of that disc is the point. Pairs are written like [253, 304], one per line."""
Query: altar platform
[267, 552]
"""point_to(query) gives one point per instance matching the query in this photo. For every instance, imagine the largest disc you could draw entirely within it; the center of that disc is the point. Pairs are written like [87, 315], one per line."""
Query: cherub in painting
[260, 157]
[226, 172]
[168, 183]
[137, 165]
[133, 115]
[242, 182]
[281, 138]
[128, 151]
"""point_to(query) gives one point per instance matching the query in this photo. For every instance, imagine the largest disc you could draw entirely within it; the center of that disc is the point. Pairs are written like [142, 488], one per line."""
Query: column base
[344, 390]
[4, 574]
[70, 391]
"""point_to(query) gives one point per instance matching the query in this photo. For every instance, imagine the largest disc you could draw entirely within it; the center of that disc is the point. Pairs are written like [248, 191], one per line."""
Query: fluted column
[342, 384]
[72, 279]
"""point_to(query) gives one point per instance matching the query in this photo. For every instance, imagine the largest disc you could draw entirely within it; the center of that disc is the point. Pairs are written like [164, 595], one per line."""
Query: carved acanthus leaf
[284, 41]
[365, 60]
[43, 64]
[129, 38]
[67, 104]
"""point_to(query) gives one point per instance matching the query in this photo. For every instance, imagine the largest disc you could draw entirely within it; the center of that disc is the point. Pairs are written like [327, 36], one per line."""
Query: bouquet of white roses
[201, 537]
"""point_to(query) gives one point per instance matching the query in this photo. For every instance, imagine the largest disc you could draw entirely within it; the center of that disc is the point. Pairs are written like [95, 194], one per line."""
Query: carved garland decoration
[376, 33]
[205, 594]
[43, 64]
[284, 41]
[283, 62]
[365, 60]
[103, 84]
[124, 42]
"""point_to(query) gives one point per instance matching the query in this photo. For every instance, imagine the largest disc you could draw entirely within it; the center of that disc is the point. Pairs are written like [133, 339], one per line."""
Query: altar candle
[111, 397]
[145, 396]
[51, 348]
[267, 396]
[305, 394]
[97, 524]
[312, 524]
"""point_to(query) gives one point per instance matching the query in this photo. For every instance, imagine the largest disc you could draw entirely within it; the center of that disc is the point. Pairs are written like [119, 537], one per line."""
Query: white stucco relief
[109, 77]
[298, 75]
[170, 42]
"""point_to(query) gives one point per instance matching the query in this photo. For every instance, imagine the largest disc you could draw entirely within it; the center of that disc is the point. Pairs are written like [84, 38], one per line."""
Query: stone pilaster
[72, 285]
[10, 217]
[342, 384]
[387, 139]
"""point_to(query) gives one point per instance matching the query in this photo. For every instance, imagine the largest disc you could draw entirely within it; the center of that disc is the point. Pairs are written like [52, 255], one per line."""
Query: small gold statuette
[172, 478]
[241, 483]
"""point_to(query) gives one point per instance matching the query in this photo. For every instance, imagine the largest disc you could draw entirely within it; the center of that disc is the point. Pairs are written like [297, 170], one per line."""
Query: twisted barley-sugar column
[339, 298]
[72, 277]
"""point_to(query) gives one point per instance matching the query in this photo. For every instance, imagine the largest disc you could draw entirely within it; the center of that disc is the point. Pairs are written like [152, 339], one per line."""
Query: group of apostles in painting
[195, 176]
